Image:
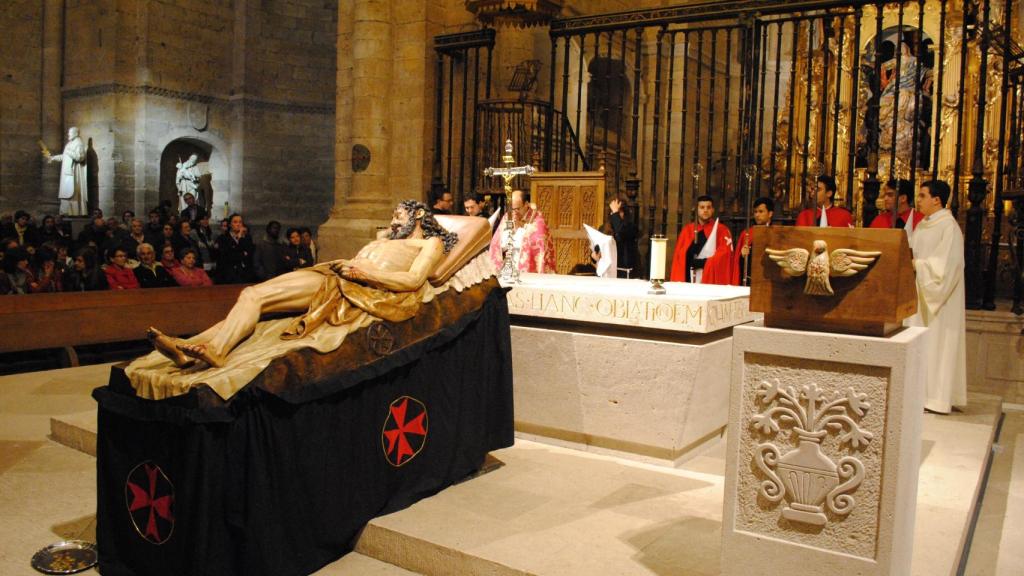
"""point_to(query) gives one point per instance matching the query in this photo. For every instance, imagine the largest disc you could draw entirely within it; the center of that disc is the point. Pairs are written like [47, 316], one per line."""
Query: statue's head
[411, 214]
[820, 246]
[72, 133]
[193, 159]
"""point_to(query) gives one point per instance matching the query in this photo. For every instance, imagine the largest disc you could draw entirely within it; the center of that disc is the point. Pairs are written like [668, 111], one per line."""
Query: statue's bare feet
[202, 352]
[168, 346]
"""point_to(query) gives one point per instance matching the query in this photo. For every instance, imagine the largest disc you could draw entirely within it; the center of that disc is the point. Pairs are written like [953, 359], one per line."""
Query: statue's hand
[339, 266]
[352, 273]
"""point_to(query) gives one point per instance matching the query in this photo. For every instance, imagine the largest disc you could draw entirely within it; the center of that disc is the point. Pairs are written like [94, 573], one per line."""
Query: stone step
[358, 564]
[77, 430]
[551, 510]
[554, 510]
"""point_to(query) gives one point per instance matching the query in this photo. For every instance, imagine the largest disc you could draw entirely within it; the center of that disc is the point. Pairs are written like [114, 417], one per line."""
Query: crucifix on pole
[510, 265]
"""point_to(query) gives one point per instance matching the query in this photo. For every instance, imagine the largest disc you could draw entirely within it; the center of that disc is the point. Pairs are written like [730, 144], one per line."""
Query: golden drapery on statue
[341, 302]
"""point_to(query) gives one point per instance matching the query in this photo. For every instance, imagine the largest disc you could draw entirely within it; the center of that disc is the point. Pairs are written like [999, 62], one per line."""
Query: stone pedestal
[823, 453]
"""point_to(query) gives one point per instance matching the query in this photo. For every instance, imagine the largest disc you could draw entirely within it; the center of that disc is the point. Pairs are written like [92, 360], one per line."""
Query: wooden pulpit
[568, 200]
[872, 302]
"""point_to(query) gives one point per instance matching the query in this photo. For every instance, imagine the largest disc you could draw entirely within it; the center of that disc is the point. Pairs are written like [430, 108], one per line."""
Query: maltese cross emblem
[405, 430]
[150, 499]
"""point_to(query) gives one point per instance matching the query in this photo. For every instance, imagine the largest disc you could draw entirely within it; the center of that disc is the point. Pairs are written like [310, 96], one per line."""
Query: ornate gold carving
[545, 199]
[566, 251]
[589, 205]
[568, 217]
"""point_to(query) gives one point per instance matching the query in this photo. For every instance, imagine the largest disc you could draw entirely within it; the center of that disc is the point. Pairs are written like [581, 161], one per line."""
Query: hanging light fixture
[517, 13]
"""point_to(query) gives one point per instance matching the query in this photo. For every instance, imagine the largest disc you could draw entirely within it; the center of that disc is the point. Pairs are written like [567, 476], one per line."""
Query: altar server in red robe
[703, 252]
[764, 209]
[826, 214]
[903, 190]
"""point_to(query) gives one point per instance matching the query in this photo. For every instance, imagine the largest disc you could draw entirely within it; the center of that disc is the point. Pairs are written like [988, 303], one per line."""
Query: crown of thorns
[429, 224]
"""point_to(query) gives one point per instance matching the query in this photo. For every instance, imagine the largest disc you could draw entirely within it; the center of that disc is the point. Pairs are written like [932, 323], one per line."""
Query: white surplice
[938, 247]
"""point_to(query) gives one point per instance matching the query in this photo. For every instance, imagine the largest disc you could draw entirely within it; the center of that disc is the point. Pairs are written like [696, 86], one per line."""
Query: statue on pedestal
[73, 192]
[187, 180]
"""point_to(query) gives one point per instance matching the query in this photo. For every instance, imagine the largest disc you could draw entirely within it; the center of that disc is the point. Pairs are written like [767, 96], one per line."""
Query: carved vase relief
[808, 480]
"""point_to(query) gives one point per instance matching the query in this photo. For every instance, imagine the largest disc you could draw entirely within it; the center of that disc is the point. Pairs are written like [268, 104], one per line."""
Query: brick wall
[252, 79]
[20, 77]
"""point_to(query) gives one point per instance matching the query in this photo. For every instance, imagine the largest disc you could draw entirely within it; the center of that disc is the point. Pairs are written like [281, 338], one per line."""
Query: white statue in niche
[806, 477]
[187, 180]
[73, 192]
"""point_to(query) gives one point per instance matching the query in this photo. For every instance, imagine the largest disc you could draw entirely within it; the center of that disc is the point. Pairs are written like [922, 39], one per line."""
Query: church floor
[996, 547]
[549, 510]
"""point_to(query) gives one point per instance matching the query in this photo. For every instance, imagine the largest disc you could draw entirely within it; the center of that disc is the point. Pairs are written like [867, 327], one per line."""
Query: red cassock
[884, 219]
[718, 268]
[837, 217]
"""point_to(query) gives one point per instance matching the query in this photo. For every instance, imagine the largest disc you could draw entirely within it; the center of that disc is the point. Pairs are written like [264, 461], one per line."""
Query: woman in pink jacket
[187, 274]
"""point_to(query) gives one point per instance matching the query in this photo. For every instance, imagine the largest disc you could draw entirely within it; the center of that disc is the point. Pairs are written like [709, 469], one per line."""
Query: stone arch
[210, 149]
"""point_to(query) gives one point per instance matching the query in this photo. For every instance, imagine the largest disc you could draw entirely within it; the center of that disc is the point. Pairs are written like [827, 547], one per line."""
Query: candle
[658, 248]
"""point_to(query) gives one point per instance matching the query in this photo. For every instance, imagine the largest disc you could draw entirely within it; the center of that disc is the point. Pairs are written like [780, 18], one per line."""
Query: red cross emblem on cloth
[405, 430]
[150, 499]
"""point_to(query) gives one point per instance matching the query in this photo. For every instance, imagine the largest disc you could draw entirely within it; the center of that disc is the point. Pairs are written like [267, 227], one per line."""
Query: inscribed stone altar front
[684, 308]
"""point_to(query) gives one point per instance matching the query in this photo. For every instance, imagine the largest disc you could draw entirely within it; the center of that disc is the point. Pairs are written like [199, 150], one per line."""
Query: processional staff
[750, 171]
[695, 172]
[510, 266]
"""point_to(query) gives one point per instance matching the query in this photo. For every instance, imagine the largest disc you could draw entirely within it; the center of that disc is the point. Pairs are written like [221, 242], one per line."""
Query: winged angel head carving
[819, 265]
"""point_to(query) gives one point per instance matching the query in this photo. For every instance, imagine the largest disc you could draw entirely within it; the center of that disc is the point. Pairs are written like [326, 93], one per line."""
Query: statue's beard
[402, 232]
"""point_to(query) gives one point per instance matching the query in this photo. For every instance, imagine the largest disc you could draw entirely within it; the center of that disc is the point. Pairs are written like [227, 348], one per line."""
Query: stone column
[823, 453]
[51, 117]
[362, 196]
[384, 106]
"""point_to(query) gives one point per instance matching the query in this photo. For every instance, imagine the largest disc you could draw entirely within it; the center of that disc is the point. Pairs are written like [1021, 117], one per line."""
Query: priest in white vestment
[938, 247]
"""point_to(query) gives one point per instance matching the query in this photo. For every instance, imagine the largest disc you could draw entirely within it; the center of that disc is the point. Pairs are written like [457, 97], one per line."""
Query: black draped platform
[280, 479]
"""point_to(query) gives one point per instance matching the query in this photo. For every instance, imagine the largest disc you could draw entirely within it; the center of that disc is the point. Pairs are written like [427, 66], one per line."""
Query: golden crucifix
[510, 266]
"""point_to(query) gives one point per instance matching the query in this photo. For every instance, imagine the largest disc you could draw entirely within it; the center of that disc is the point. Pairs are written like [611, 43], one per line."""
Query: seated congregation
[168, 250]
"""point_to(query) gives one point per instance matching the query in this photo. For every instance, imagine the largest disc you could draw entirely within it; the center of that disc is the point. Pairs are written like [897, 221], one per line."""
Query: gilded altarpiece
[568, 200]
[836, 142]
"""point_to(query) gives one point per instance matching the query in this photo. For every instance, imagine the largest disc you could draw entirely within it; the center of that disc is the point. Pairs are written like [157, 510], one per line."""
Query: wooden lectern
[568, 200]
[874, 302]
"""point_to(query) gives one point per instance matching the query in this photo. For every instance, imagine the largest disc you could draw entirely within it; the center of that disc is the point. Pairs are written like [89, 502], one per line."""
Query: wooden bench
[69, 319]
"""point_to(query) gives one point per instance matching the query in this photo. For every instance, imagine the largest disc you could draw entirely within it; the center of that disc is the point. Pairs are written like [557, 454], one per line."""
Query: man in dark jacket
[149, 272]
[269, 253]
[23, 231]
[624, 231]
[234, 254]
[193, 212]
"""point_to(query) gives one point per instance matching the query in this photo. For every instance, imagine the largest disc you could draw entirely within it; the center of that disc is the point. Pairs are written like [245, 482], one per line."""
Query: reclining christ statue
[385, 279]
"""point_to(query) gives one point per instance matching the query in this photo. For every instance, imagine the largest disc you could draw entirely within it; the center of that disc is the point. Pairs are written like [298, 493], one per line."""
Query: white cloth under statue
[73, 192]
[938, 248]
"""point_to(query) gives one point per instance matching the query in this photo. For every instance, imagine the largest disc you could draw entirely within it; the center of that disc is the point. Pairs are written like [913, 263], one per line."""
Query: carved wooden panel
[568, 208]
[544, 198]
[568, 200]
[565, 255]
[590, 208]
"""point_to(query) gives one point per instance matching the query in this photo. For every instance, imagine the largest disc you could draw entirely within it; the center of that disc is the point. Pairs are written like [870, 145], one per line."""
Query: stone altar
[601, 365]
